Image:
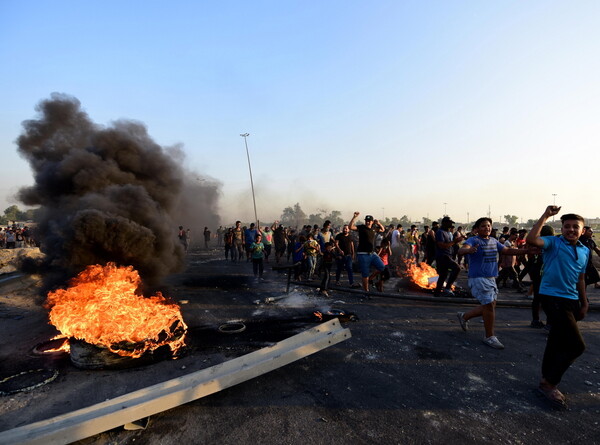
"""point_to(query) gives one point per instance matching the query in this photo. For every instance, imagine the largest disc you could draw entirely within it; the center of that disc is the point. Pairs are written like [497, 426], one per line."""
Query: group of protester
[559, 267]
[15, 237]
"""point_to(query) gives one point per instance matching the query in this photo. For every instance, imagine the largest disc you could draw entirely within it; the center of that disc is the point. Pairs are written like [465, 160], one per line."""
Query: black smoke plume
[105, 193]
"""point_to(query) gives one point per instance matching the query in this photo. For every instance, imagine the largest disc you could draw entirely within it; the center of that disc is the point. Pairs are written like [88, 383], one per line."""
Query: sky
[390, 108]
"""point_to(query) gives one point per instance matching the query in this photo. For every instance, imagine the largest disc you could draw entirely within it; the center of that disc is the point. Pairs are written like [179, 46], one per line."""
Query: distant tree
[511, 220]
[426, 221]
[316, 218]
[335, 216]
[293, 216]
[31, 214]
[531, 222]
[12, 213]
[405, 221]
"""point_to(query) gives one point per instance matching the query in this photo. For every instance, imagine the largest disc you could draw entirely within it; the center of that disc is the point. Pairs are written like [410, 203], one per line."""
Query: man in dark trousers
[564, 300]
[430, 243]
[447, 268]
[591, 273]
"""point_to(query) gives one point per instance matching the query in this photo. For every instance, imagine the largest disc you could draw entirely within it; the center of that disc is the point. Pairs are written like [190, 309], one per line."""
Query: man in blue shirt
[250, 237]
[563, 298]
[483, 252]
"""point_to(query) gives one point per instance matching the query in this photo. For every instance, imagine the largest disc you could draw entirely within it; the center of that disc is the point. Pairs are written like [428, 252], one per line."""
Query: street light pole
[245, 135]
[445, 213]
[553, 203]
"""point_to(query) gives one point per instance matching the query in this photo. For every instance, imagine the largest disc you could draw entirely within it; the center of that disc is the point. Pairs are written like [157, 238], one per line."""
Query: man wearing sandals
[563, 297]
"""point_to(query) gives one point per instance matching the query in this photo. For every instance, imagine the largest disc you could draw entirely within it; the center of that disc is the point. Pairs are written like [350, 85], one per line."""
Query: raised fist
[552, 210]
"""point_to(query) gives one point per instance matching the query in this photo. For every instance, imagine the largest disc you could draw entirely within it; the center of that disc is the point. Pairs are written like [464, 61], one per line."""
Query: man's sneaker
[448, 293]
[462, 321]
[493, 342]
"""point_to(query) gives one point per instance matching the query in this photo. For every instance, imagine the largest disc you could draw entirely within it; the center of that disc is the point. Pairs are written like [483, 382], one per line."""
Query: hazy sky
[386, 107]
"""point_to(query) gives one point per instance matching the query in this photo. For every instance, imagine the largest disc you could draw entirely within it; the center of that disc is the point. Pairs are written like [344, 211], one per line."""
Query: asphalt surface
[408, 375]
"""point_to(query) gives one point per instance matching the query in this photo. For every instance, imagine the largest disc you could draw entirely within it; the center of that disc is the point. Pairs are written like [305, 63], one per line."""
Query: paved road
[408, 375]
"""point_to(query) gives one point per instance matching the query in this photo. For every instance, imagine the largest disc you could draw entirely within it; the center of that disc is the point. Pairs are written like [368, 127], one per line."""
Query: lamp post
[445, 204]
[553, 203]
[245, 135]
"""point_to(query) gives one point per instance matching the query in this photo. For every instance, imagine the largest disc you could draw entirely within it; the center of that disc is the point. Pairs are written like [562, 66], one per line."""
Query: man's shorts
[366, 260]
[484, 289]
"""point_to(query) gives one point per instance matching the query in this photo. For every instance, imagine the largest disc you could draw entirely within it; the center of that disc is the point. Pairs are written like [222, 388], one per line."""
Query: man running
[483, 250]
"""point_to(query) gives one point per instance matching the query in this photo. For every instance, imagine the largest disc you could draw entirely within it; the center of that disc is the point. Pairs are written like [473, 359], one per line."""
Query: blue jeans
[366, 260]
[311, 263]
[345, 262]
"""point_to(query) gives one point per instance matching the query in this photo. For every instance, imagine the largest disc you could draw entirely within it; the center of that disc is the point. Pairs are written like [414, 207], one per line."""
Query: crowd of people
[16, 237]
[559, 268]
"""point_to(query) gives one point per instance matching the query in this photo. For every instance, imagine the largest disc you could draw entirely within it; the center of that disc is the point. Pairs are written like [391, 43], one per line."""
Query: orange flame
[63, 347]
[422, 274]
[102, 307]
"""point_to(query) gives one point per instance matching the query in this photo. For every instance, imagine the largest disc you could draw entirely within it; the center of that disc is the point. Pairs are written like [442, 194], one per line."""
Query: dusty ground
[11, 258]
[407, 375]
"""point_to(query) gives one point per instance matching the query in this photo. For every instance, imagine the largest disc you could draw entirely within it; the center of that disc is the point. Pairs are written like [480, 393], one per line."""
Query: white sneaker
[493, 342]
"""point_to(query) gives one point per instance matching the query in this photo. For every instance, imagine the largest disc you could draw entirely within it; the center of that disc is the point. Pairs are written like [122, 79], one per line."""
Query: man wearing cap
[444, 242]
[365, 251]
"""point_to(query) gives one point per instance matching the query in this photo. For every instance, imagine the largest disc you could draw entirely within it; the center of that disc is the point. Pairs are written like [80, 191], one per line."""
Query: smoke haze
[107, 193]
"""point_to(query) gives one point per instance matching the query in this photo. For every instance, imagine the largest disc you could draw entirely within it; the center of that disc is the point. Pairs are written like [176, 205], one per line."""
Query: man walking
[445, 265]
[237, 253]
[279, 239]
[591, 273]
[396, 258]
[563, 299]
[344, 243]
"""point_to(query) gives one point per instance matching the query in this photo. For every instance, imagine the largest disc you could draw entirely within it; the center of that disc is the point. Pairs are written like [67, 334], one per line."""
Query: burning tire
[87, 356]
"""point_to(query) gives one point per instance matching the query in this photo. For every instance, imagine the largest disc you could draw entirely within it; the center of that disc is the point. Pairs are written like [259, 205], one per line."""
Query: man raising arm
[564, 300]
[366, 246]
